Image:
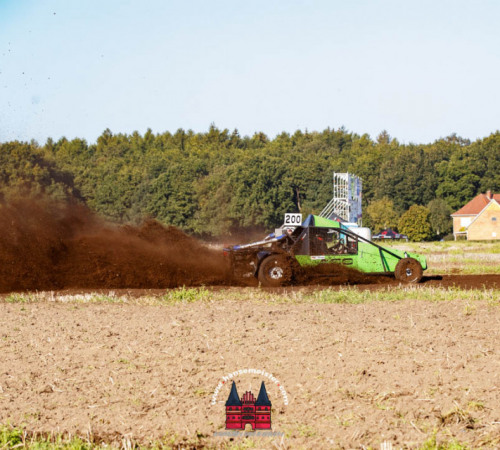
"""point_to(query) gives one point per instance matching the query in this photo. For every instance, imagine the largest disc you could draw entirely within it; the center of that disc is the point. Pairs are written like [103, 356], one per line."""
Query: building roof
[233, 399]
[488, 206]
[263, 399]
[476, 205]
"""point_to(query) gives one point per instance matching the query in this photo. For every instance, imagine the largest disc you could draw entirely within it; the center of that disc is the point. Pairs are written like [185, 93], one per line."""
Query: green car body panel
[368, 259]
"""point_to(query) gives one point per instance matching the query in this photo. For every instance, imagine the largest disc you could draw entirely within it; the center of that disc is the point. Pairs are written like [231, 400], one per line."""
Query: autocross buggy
[318, 246]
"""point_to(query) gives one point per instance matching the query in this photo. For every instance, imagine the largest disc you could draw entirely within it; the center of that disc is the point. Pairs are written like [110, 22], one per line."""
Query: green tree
[384, 137]
[415, 223]
[381, 214]
[439, 216]
[26, 171]
[216, 181]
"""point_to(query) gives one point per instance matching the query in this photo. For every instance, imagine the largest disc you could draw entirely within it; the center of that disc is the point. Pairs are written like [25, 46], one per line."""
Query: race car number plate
[292, 219]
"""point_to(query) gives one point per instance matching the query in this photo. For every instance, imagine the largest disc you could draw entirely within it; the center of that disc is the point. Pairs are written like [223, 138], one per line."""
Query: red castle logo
[239, 413]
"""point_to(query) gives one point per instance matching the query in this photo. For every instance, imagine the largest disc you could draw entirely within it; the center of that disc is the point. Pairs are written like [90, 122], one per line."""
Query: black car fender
[260, 257]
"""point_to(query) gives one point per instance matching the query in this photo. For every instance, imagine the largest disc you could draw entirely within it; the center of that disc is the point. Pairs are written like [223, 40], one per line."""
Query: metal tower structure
[346, 201]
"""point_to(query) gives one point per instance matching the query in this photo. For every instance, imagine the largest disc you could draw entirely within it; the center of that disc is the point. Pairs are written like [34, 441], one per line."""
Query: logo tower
[247, 410]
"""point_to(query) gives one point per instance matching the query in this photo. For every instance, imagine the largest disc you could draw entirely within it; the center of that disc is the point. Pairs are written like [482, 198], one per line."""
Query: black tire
[408, 270]
[275, 271]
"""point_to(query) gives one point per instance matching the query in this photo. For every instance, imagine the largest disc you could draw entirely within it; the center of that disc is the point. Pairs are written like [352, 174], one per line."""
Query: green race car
[319, 246]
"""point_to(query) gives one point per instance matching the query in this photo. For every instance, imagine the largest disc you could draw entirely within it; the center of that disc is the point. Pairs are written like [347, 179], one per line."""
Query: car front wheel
[275, 271]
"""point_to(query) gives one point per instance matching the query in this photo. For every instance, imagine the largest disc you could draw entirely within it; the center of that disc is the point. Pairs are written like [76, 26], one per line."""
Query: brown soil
[46, 246]
[355, 375]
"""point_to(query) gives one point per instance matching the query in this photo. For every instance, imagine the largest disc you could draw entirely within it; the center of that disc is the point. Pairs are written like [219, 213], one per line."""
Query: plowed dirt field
[111, 354]
[355, 375]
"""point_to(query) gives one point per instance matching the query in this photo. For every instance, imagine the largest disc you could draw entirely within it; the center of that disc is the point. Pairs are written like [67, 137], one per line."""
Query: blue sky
[419, 69]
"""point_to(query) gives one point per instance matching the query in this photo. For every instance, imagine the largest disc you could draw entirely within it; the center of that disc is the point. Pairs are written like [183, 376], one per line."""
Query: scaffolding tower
[346, 201]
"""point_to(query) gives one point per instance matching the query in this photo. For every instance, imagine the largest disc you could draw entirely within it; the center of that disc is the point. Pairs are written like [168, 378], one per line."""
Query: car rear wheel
[408, 270]
[275, 271]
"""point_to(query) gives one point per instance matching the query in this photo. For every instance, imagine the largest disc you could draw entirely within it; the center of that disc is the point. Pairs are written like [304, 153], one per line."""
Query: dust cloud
[46, 245]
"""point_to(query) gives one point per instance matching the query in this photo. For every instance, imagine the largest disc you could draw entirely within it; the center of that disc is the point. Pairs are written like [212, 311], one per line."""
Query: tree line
[216, 182]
